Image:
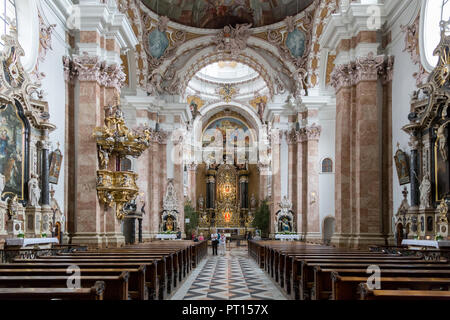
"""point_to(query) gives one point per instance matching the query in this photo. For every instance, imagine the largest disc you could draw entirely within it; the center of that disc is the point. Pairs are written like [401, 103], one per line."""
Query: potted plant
[262, 218]
[43, 235]
[21, 235]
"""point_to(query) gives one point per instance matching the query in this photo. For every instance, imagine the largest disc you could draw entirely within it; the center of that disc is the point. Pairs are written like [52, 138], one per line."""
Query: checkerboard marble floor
[232, 276]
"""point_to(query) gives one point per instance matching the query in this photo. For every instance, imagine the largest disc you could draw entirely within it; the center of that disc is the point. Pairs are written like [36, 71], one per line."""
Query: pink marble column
[113, 236]
[192, 183]
[88, 213]
[341, 81]
[301, 182]
[178, 175]
[292, 170]
[311, 170]
[155, 190]
[276, 176]
[145, 183]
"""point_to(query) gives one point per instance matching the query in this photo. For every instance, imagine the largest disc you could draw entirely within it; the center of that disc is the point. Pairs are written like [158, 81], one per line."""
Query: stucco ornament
[233, 40]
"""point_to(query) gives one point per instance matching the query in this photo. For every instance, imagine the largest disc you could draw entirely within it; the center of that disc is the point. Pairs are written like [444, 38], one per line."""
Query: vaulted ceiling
[215, 14]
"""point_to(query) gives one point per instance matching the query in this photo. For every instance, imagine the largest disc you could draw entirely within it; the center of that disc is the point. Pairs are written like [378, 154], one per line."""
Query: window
[431, 29]
[7, 14]
[327, 165]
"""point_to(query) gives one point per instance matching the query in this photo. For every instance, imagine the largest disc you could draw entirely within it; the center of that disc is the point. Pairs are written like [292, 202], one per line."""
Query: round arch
[208, 56]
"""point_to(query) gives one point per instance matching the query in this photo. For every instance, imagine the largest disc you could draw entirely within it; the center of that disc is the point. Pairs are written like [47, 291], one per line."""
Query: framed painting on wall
[13, 151]
[55, 166]
[402, 165]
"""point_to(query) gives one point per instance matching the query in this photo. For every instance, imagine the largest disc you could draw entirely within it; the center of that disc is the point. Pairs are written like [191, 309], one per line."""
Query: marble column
[88, 211]
[311, 170]
[179, 179]
[414, 171]
[301, 182]
[341, 81]
[387, 152]
[368, 153]
[276, 137]
[154, 207]
[292, 169]
[263, 173]
[192, 183]
[45, 167]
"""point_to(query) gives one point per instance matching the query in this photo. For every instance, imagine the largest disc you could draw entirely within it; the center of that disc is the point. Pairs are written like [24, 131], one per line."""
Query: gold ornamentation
[116, 187]
[114, 138]
[227, 92]
[442, 72]
[443, 210]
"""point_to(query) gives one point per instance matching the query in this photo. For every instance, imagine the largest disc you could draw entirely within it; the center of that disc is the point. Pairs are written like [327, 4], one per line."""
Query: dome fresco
[215, 14]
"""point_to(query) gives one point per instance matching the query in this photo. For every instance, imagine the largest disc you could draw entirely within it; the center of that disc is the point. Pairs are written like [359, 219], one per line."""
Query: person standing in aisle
[222, 243]
[214, 242]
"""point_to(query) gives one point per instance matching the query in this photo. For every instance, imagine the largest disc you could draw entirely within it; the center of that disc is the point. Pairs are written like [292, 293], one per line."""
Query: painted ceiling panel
[215, 14]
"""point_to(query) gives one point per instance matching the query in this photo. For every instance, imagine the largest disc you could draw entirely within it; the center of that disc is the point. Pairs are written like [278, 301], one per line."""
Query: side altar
[426, 216]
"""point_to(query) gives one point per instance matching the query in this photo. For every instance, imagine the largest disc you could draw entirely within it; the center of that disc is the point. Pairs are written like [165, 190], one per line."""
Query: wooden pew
[346, 287]
[116, 286]
[308, 280]
[156, 271]
[137, 287]
[116, 281]
[93, 293]
[369, 294]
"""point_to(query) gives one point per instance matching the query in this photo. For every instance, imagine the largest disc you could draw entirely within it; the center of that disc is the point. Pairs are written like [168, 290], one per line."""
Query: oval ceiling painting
[215, 14]
[295, 41]
[158, 43]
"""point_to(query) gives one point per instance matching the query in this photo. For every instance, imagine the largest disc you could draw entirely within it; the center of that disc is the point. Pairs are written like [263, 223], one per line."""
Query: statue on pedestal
[253, 202]
[201, 203]
[34, 192]
[425, 192]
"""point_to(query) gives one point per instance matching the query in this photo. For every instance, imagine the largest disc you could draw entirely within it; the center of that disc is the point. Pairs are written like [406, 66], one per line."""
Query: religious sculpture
[169, 219]
[201, 203]
[233, 40]
[253, 202]
[34, 192]
[13, 207]
[284, 217]
[442, 141]
[425, 192]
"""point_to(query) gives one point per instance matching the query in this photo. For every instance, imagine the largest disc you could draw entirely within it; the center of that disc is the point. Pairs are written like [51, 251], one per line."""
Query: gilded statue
[103, 157]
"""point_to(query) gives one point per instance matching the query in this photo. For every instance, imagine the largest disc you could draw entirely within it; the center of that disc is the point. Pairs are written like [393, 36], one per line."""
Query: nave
[231, 276]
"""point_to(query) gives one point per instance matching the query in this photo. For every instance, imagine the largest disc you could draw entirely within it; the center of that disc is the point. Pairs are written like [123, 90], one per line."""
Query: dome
[215, 14]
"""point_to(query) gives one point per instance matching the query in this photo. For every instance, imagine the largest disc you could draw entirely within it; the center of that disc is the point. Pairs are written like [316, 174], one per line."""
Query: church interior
[224, 149]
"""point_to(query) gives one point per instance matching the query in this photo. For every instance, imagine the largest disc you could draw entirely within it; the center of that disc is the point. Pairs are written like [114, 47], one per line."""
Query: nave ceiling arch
[266, 44]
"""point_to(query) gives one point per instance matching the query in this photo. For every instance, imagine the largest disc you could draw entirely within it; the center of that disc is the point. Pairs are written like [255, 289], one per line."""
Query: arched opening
[225, 140]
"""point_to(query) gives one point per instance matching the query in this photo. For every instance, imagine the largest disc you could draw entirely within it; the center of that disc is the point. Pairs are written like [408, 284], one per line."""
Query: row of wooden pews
[139, 272]
[318, 272]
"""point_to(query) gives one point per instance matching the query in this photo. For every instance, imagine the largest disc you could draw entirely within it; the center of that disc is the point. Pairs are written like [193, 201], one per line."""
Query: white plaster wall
[326, 180]
[54, 87]
[402, 87]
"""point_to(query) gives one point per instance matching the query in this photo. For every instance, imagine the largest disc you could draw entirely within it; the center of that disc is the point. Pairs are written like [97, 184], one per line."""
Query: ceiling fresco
[215, 14]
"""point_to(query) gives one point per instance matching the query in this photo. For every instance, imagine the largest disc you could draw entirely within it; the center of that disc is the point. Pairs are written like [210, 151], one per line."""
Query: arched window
[7, 14]
[431, 32]
[327, 165]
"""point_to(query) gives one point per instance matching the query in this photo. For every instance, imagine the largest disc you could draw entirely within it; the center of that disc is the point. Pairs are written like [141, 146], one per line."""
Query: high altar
[227, 201]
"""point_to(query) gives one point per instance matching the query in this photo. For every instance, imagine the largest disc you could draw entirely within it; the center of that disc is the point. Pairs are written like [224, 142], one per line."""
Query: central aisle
[233, 276]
